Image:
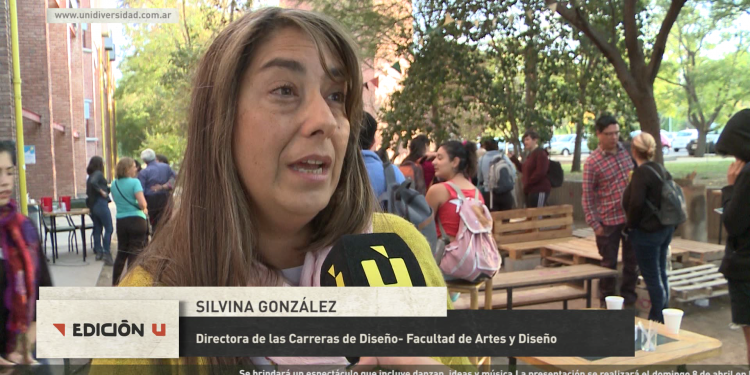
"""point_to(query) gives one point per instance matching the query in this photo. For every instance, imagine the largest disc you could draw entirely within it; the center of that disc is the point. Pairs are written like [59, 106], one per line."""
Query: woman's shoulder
[138, 277]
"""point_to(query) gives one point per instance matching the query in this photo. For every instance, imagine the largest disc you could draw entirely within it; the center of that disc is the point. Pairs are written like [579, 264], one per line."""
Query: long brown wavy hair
[210, 237]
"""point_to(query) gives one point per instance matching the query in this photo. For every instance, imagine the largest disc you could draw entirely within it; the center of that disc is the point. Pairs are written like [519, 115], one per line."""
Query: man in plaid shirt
[606, 174]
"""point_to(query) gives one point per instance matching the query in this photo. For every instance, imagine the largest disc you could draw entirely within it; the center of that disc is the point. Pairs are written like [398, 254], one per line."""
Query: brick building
[67, 89]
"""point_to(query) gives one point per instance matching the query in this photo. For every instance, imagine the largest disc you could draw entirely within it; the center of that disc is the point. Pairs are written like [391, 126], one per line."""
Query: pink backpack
[473, 255]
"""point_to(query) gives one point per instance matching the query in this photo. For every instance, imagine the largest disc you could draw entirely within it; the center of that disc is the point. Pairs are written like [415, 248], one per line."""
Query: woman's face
[7, 175]
[291, 132]
[444, 167]
[133, 171]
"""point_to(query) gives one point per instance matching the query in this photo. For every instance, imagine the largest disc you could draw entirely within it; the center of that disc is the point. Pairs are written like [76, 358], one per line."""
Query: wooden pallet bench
[696, 252]
[694, 283]
[524, 231]
[538, 286]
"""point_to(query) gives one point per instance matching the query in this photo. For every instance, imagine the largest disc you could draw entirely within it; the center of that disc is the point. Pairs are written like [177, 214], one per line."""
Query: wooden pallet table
[576, 251]
[687, 347]
[698, 252]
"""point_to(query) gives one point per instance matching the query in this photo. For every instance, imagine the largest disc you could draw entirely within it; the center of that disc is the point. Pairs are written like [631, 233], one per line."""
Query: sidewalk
[70, 270]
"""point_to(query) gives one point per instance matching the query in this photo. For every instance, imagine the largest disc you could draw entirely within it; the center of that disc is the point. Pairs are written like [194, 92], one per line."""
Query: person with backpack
[496, 177]
[536, 184]
[649, 236]
[463, 220]
[418, 166]
[373, 163]
[735, 198]
[606, 174]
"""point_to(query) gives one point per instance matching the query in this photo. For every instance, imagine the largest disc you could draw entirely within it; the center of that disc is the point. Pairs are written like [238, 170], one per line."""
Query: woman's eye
[284, 91]
[339, 97]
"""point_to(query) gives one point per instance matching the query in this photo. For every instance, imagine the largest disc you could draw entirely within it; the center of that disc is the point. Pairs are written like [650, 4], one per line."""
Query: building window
[87, 109]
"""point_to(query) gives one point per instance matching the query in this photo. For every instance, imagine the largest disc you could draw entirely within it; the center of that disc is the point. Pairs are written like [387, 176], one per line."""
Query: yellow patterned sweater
[382, 223]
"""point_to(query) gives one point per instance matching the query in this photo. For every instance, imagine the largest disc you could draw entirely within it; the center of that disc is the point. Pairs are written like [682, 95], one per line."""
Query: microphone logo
[372, 272]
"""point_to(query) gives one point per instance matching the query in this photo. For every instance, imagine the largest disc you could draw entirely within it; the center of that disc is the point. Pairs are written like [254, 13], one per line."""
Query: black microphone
[377, 259]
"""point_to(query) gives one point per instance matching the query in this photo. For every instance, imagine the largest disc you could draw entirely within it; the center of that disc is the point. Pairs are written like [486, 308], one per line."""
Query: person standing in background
[132, 214]
[97, 201]
[536, 184]
[155, 180]
[650, 239]
[606, 175]
[373, 163]
[500, 202]
[419, 160]
[735, 197]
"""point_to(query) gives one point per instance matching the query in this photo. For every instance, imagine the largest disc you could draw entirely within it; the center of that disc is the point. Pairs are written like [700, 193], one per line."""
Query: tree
[438, 91]
[157, 72]
[622, 32]
[711, 87]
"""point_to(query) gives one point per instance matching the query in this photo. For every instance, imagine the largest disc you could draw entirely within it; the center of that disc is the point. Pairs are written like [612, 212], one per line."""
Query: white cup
[672, 319]
[614, 302]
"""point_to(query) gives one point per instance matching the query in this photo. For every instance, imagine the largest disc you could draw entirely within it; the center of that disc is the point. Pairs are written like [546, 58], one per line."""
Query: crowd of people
[141, 196]
[262, 208]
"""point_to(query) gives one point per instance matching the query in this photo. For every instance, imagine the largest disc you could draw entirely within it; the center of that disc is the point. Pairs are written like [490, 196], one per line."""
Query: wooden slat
[534, 224]
[530, 212]
[532, 236]
[692, 275]
[531, 245]
[680, 283]
[690, 269]
[525, 297]
[545, 276]
[701, 285]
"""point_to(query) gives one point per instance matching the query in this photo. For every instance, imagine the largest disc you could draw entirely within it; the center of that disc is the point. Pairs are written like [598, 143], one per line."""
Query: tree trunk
[648, 116]
[700, 151]
[576, 167]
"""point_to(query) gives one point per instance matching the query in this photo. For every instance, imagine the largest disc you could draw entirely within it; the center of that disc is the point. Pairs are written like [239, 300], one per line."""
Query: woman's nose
[318, 117]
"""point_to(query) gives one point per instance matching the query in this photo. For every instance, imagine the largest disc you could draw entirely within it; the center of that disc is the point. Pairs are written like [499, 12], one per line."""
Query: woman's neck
[284, 247]
[640, 161]
[459, 177]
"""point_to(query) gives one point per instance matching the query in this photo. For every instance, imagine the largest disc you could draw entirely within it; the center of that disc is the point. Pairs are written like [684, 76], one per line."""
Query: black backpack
[673, 209]
[403, 200]
[555, 174]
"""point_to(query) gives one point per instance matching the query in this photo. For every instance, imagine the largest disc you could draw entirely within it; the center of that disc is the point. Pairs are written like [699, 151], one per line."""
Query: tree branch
[574, 17]
[661, 39]
[671, 82]
[635, 54]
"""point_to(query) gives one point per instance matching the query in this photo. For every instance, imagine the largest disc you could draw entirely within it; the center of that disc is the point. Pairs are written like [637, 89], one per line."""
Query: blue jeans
[651, 250]
[102, 218]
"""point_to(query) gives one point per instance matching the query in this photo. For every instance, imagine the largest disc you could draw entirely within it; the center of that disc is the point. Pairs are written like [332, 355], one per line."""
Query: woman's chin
[308, 205]
[4, 201]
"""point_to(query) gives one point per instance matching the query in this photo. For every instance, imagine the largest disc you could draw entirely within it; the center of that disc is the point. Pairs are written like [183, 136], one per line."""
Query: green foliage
[153, 93]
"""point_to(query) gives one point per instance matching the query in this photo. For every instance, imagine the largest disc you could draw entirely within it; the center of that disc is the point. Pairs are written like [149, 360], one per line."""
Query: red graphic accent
[60, 327]
[162, 332]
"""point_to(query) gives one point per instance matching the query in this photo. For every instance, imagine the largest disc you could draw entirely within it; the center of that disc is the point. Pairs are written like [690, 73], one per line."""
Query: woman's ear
[455, 162]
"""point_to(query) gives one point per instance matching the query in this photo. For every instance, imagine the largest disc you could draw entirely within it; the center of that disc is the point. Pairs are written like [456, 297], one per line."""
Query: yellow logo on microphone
[372, 272]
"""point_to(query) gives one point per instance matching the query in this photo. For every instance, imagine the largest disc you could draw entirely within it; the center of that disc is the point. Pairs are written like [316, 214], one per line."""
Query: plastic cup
[614, 302]
[672, 319]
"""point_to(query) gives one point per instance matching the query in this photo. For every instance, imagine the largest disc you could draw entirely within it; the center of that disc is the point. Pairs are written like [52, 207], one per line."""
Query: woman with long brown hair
[272, 174]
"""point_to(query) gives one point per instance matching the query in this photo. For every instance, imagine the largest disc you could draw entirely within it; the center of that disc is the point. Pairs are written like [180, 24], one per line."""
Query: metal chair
[81, 203]
[71, 230]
